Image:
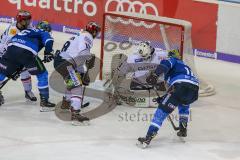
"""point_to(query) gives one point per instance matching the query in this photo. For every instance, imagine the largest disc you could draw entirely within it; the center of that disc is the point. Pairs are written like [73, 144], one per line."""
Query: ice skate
[65, 104]
[30, 96]
[183, 130]
[143, 142]
[46, 106]
[78, 119]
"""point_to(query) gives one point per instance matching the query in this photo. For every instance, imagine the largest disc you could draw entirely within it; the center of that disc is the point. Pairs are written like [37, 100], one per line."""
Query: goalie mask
[145, 49]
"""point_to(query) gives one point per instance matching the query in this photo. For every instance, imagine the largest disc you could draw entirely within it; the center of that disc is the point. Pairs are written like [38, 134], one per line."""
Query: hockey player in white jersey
[146, 58]
[23, 21]
[73, 63]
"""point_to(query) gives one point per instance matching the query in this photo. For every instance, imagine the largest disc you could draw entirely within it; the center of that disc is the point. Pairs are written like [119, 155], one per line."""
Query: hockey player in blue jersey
[23, 21]
[183, 90]
[22, 54]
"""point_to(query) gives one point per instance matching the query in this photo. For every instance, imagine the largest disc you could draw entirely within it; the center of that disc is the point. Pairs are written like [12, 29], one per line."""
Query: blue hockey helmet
[44, 25]
[174, 53]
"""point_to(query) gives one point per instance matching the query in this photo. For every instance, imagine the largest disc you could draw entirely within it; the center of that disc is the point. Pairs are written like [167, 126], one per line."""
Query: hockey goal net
[122, 32]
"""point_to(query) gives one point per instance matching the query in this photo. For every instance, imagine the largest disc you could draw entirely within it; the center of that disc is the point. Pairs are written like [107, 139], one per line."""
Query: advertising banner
[71, 15]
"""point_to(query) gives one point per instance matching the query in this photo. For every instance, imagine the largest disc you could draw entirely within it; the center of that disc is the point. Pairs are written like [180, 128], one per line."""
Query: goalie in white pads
[73, 63]
[23, 21]
[138, 64]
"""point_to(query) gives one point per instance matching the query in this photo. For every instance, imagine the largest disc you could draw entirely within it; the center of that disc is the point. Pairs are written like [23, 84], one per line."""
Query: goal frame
[185, 44]
[139, 19]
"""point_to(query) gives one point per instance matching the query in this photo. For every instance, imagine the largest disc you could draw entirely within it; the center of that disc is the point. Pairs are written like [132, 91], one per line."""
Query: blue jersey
[176, 71]
[33, 40]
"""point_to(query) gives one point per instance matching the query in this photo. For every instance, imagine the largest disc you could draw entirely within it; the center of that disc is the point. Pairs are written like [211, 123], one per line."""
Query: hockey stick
[4, 83]
[85, 105]
[172, 123]
[84, 88]
[9, 78]
[15, 73]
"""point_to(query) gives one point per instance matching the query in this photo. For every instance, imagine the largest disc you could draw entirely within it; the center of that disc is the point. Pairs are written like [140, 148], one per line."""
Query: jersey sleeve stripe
[50, 39]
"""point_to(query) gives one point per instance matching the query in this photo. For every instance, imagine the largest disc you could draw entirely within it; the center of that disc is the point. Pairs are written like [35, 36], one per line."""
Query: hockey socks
[157, 121]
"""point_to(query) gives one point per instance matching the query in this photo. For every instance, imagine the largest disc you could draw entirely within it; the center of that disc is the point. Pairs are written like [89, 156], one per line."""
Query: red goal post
[122, 31]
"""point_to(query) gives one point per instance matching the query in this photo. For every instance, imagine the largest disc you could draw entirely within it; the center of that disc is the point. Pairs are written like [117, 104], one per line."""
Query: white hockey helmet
[145, 49]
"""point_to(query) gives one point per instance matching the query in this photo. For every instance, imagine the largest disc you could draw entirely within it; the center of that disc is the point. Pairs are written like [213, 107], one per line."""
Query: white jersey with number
[77, 46]
[140, 66]
[77, 49]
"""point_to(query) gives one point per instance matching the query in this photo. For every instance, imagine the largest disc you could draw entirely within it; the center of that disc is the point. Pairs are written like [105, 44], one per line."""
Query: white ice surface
[214, 131]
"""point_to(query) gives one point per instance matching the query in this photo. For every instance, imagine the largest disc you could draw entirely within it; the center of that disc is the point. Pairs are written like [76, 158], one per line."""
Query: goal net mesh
[122, 33]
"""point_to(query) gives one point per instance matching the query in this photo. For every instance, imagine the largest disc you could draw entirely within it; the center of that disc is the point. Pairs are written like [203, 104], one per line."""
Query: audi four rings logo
[132, 5]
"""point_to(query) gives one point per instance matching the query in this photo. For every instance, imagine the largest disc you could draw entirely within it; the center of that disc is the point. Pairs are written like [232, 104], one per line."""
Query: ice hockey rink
[213, 132]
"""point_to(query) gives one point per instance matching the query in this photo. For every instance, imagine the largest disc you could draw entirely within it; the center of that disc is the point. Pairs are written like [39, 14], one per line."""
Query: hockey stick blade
[85, 104]
[173, 125]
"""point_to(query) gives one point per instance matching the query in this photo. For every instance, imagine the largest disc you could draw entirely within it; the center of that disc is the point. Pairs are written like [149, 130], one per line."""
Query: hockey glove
[16, 74]
[48, 57]
[159, 100]
[90, 62]
[152, 79]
